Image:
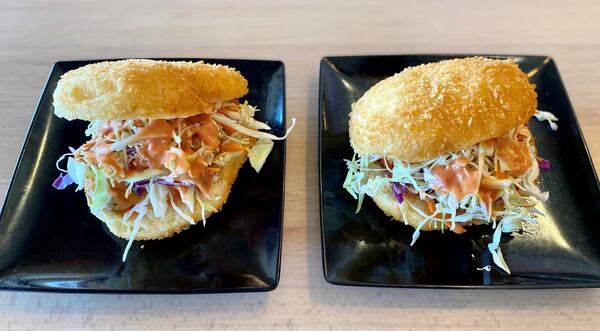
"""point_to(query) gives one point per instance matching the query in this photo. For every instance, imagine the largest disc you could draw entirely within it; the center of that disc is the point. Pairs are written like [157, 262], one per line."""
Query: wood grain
[34, 34]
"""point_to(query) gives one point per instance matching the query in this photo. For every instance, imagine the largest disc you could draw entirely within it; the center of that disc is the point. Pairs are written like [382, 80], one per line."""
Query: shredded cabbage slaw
[138, 166]
[510, 183]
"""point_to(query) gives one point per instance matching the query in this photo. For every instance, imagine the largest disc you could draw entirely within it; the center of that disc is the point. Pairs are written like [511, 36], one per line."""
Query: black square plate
[369, 249]
[50, 241]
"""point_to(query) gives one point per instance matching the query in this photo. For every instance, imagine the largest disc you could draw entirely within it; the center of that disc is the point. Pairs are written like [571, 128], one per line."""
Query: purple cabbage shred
[130, 151]
[62, 181]
[544, 164]
[399, 191]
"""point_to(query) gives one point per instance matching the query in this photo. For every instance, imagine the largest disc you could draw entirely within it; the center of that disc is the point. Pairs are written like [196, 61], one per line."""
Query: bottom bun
[152, 227]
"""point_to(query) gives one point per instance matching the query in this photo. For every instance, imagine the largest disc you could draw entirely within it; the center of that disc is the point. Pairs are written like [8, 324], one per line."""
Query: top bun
[144, 89]
[434, 109]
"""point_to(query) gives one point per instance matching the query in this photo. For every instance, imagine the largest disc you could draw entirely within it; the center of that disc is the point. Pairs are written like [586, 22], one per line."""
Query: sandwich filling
[493, 182]
[138, 166]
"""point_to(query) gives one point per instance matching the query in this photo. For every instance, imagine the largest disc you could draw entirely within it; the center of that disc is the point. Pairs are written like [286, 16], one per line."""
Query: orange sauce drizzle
[514, 151]
[456, 178]
[156, 141]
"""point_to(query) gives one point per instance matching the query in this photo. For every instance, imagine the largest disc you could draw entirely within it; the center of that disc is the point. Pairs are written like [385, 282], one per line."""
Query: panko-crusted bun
[134, 89]
[152, 227]
[442, 107]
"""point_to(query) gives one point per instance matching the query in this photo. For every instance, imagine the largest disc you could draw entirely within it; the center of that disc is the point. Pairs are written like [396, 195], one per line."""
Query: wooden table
[34, 34]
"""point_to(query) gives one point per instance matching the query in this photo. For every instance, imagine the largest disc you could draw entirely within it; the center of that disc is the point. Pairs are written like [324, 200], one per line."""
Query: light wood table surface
[34, 34]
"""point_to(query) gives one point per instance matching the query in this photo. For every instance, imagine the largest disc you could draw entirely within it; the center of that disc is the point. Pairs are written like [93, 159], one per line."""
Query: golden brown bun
[171, 224]
[134, 89]
[442, 107]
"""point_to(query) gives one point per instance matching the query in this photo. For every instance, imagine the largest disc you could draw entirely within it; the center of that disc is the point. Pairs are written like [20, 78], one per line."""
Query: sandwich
[166, 141]
[446, 145]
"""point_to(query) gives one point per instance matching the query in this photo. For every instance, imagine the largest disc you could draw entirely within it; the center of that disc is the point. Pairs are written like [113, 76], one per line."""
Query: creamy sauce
[159, 152]
[200, 175]
[206, 128]
[458, 228]
[456, 179]
[153, 150]
[155, 132]
[103, 156]
[460, 181]
[154, 129]
[514, 152]
[105, 131]
[156, 151]
[487, 198]
[181, 166]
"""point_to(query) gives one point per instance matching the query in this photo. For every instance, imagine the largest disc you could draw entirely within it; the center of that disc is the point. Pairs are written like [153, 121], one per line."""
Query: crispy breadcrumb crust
[438, 108]
[138, 88]
[152, 227]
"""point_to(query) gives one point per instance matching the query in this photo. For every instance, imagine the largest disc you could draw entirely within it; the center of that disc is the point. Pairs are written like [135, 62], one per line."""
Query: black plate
[369, 249]
[49, 240]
